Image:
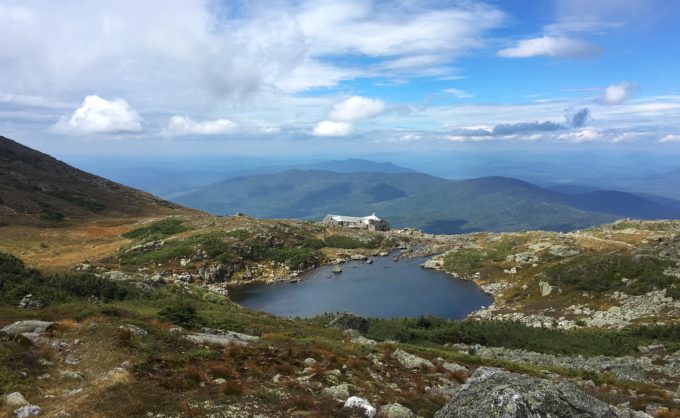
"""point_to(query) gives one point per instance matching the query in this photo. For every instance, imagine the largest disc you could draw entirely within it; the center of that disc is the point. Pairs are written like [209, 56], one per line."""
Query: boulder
[356, 338]
[545, 288]
[134, 329]
[15, 399]
[338, 392]
[452, 367]
[346, 320]
[29, 302]
[395, 410]
[31, 326]
[493, 392]
[225, 339]
[28, 411]
[357, 402]
[410, 361]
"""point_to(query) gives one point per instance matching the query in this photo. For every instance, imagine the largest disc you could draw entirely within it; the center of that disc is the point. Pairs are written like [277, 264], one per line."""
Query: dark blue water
[384, 289]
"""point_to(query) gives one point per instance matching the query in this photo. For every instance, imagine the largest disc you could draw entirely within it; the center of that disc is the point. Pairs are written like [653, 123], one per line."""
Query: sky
[185, 77]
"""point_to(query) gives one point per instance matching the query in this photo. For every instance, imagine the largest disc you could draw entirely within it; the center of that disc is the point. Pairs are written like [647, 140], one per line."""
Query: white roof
[354, 219]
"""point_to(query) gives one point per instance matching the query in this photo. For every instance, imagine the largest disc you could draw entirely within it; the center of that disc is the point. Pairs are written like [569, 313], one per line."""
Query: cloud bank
[550, 46]
[182, 125]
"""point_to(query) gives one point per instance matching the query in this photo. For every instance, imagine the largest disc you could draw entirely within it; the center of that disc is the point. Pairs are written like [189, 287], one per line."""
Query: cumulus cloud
[670, 138]
[182, 125]
[101, 116]
[457, 93]
[616, 94]
[332, 128]
[356, 108]
[551, 46]
[578, 118]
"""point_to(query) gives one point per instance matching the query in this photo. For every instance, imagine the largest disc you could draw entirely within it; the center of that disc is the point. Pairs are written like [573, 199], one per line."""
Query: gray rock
[134, 329]
[452, 367]
[395, 410]
[346, 320]
[31, 326]
[356, 338]
[357, 402]
[493, 392]
[66, 374]
[29, 302]
[28, 411]
[226, 339]
[545, 288]
[410, 361]
[15, 399]
[338, 392]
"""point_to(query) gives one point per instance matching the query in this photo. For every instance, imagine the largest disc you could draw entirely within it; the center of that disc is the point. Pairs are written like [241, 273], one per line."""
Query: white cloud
[551, 46]
[331, 128]
[583, 135]
[270, 130]
[616, 94]
[457, 93]
[98, 115]
[357, 108]
[182, 125]
[670, 138]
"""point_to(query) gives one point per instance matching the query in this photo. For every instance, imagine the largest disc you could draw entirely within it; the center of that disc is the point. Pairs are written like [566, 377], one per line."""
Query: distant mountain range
[422, 201]
[35, 187]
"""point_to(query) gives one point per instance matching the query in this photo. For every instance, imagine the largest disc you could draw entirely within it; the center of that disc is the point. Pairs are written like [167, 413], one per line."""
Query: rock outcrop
[224, 339]
[346, 320]
[493, 392]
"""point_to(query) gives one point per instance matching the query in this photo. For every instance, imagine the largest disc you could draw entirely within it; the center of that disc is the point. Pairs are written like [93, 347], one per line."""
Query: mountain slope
[37, 187]
[421, 201]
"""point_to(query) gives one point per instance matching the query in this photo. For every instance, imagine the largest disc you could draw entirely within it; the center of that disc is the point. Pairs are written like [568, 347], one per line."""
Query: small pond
[383, 289]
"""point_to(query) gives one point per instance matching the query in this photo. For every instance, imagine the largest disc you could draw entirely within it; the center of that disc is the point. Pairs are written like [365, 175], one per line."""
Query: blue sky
[287, 77]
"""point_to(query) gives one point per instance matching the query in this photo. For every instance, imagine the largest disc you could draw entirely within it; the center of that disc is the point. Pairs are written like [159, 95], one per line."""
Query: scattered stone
[338, 392]
[309, 362]
[357, 402]
[356, 338]
[134, 329]
[30, 326]
[395, 410]
[15, 399]
[411, 361]
[493, 392]
[72, 392]
[545, 288]
[71, 361]
[28, 411]
[28, 302]
[67, 374]
[219, 381]
[452, 367]
[563, 251]
[226, 339]
[337, 269]
[346, 320]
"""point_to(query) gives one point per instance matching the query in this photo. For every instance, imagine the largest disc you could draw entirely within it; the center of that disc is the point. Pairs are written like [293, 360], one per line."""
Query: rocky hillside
[36, 188]
[153, 316]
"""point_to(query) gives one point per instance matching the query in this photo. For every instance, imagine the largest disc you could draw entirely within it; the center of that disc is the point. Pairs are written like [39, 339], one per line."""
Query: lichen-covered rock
[134, 329]
[357, 402]
[493, 392]
[30, 302]
[395, 410]
[28, 411]
[22, 327]
[356, 338]
[338, 391]
[15, 399]
[411, 361]
[346, 320]
[224, 339]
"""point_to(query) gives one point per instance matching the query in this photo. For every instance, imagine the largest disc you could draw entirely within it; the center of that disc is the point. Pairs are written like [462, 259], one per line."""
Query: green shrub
[181, 313]
[17, 280]
[342, 241]
[604, 273]
[156, 230]
[463, 261]
[314, 243]
[295, 257]
[52, 216]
